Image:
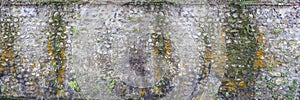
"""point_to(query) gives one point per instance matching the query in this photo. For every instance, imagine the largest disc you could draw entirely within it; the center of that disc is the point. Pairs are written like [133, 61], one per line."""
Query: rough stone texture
[100, 37]
[281, 28]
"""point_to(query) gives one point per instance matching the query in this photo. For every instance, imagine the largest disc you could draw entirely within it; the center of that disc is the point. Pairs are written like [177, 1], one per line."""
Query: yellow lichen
[225, 80]
[49, 46]
[62, 71]
[159, 90]
[60, 79]
[63, 53]
[158, 77]
[10, 54]
[260, 38]
[2, 69]
[223, 88]
[259, 63]
[58, 92]
[13, 70]
[208, 54]
[156, 51]
[168, 48]
[260, 54]
[143, 92]
[259, 60]
[242, 84]
[231, 89]
[230, 84]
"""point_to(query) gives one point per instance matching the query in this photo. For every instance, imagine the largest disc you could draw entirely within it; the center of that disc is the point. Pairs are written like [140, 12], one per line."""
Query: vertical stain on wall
[244, 56]
[9, 26]
[259, 62]
[57, 50]
[163, 53]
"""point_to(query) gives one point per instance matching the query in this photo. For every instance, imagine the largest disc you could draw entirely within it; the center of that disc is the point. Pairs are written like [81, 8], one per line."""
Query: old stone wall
[174, 50]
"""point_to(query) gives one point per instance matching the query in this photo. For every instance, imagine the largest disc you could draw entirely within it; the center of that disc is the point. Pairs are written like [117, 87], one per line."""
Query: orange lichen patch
[60, 79]
[2, 69]
[63, 53]
[168, 48]
[242, 84]
[208, 54]
[49, 46]
[205, 70]
[260, 38]
[13, 70]
[10, 54]
[62, 71]
[260, 54]
[225, 80]
[168, 71]
[159, 90]
[156, 51]
[259, 61]
[7, 53]
[230, 84]
[223, 88]
[5, 47]
[231, 89]
[58, 92]
[143, 92]
[51, 73]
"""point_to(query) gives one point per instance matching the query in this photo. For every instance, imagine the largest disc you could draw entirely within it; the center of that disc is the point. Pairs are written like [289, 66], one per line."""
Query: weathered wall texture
[154, 51]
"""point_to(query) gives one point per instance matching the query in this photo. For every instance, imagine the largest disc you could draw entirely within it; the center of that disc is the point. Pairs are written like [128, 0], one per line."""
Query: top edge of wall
[141, 2]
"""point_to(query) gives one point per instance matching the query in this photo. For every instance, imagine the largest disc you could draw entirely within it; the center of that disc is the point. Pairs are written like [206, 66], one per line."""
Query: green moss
[74, 30]
[275, 96]
[96, 89]
[139, 19]
[112, 85]
[292, 88]
[277, 31]
[74, 85]
[270, 85]
[289, 96]
[135, 30]
[297, 57]
[130, 18]
[283, 74]
[295, 81]
[241, 52]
